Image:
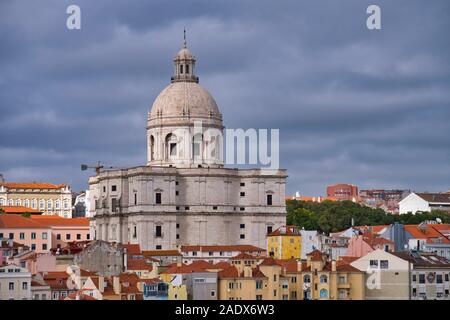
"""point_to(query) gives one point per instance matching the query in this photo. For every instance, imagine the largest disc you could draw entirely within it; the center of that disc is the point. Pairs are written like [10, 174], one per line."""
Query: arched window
[307, 279]
[66, 204]
[171, 146]
[197, 146]
[18, 202]
[49, 204]
[152, 148]
[323, 279]
[187, 69]
[181, 69]
[2, 202]
[41, 204]
[10, 202]
[323, 293]
[57, 204]
[26, 203]
[34, 204]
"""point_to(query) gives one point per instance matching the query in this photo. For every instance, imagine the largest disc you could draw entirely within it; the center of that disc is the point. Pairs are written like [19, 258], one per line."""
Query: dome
[180, 99]
[184, 54]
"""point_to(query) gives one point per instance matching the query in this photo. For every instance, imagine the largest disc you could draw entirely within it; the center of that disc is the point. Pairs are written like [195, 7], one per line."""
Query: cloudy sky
[353, 105]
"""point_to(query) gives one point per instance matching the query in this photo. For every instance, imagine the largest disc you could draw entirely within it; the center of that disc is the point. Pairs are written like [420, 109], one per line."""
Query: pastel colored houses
[363, 244]
[15, 283]
[285, 243]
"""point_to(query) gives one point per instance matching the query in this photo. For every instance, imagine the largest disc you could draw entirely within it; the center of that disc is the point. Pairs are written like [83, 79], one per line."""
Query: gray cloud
[353, 105]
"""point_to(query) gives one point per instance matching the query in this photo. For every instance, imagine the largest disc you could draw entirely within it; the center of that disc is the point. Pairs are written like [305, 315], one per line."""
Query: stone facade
[185, 195]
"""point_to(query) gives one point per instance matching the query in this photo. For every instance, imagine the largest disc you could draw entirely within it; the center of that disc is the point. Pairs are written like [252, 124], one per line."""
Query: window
[214, 207]
[342, 279]
[294, 279]
[177, 193]
[33, 246]
[22, 236]
[11, 236]
[178, 236]
[104, 189]
[176, 183]
[275, 278]
[242, 184]
[421, 278]
[134, 232]
[33, 235]
[186, 208]
[439, 278]
[242, 236]
[259, 284]
[114, 188]
[24, 285]
[242, 225]
[41, 204]
[158, 247]
[135, 198]
[242, 194]
[58, 236]
[68, 236]
[173, 149]
[259, 297]
[49, 204]
[446, 275]
[158, 231]
[88, 236]
[242, 208]
[274, 293]
[158, 198]
[373, 263]
[187, 68]
[384, 264]
[57, 204]
[178, 225]
[114, 204]
[11, 286]
[323, 279]
[213, 293]
[78, 236]
[323, 293]
[44, 235]
[342, 294]
[414, 278]
[269, 199]
[269, 229]
[44, 246]
[181, 68]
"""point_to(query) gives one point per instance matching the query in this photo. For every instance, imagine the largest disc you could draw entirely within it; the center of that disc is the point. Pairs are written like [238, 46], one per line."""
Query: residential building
[26, 231]
[429, 236]
[343, 191]
[185, 195]
[361, 245]
[15, 283]
[285, 243]
[215, 254]
[9, 248]
[424, 202]
[155, 289]
[51, 199]
[310, 242]
[388, 200]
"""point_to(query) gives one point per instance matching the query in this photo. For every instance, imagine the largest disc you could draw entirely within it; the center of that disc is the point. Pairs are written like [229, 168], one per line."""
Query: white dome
[181, 99]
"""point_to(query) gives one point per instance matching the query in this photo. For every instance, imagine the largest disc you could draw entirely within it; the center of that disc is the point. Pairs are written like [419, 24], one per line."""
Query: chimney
[125, 260]
[333, 265]
[116, 284]
[299, 265]
[101, 284]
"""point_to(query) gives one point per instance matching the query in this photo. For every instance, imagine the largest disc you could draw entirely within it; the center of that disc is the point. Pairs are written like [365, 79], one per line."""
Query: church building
[184, 195]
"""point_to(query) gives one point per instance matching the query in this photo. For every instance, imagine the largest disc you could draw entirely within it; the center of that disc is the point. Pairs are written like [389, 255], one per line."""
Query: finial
[184, 38]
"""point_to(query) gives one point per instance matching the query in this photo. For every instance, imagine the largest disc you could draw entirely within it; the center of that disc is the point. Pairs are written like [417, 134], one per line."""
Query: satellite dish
[84, 167]
[438, 220]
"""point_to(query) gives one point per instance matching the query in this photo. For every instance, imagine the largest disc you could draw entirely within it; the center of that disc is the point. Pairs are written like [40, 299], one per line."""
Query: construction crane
[97, 167]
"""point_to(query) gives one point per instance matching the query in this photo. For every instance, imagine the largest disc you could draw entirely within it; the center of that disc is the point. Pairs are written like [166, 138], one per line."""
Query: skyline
[371, 107]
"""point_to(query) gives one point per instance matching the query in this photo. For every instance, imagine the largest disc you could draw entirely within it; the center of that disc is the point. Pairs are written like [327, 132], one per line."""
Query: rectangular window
[181, 69]
[421, 278]
[158, 247]
[446, 275]
[242, 208]
[186, 208]
[178, 236]
[173, 149]
[414, 278]
[242, 194]
[11, 286]
[384, 264]
[187, 68]
[33, 235]
[214, 207]
[58, 236]
[33, 246]
[44, 246]
[158, 198]
[269, 199]
[439, 278]
[22, 236]
[213, 293]
[259, 284]
[113, 188]
[24, 285]
[242, 184]
[242, 226]
[44, 235]
[78, 236]
[11, 236]
[158, 231]
[88, 236]
[374, 263]
[178, 225]
[68, 236]
[135, 199]
[242, 236]
[177, 193]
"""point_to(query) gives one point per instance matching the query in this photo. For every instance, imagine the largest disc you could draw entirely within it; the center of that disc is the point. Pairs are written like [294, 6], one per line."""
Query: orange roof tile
[18, 209]
[31, 185]
[215, 248]
[428, 231]
[17, 221]
[139, 264]
[316, 255]
[158, 253]
[54, 220]
[132, 249]
[244, 256]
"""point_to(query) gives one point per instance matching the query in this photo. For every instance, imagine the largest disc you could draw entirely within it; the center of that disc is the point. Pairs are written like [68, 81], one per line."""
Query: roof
[435, 197]
[139, 264]
[286, 231]
[18, 221]
[376, 241]
[430, 232]
[316, 255]
[215, 248]
[78, 295]
[422, 259]
[31, 185]
[232, 273]
[18, 209]
[245, 256]
[159, 253]
[132, 249]
[269, 262]
[196, 266]
[53, 221]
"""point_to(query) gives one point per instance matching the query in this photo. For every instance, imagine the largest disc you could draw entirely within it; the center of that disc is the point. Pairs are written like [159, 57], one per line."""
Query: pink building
[361, 245]
[25, 231]
[65, 230]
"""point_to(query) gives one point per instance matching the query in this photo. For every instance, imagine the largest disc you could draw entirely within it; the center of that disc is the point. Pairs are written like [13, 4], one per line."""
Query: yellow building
[285, 243]
[48, 198]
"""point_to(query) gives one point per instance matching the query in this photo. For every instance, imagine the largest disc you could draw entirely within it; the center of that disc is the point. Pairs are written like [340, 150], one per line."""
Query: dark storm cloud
[353, 105]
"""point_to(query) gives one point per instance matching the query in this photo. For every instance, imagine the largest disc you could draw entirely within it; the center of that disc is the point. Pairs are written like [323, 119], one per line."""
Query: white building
[15, 283]
[185, 195]
[415, 202]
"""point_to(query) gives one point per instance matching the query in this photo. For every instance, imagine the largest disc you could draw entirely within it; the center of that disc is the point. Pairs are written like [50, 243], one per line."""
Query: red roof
[286, 231]
[53, 221]
[79, 295]
[241, 248]
[139, 264]
[158, 253]
[31, 185]
[245, 256]
[429, 232]
[232, 273]
[18, 209]
[316, 255]
[17, 221]
[269, 262]
[132, 249]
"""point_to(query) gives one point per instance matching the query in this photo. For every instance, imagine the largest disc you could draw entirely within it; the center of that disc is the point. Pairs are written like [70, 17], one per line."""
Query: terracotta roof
[376, 241]
[158, 253]
[31, 185]
[269, 262]
[429, 232]
[18, 221]
[348, 259]
[196, 266]
[151, 281]
[435, 197]
[80, 295]
[56, 280]
[231, 272]
[241, 248]
[290, 265]
[316, 255]
[139, 264]
[222, 265]
[132, 249]
[286, 231]
[53, 220]
[245, 256]
[18, 209]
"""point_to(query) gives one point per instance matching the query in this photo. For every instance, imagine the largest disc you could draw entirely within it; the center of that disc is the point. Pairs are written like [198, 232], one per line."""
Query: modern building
[15, 283]
[343, 191]
[185, 195]
[51, 199]
[285, 243]
[425, 202]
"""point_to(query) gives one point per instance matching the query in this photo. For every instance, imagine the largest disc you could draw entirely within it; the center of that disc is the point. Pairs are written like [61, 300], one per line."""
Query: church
[185, 195]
